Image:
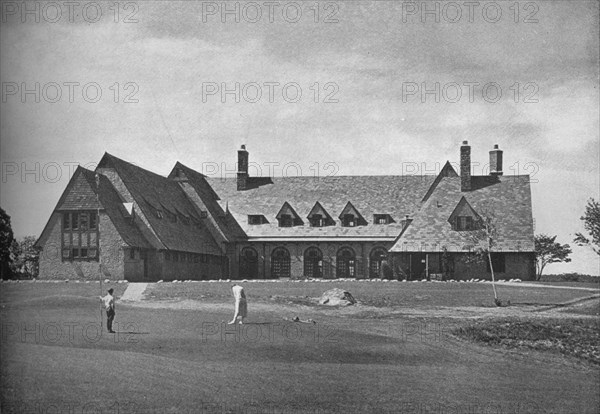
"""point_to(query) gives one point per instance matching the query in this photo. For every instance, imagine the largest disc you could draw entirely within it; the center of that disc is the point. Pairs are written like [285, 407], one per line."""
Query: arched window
[248, 263]
[376, 258]
[280, 263]
[313, 262]
[346, 263]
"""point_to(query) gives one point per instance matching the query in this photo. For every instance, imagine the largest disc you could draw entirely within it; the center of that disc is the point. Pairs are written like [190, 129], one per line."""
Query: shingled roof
[153, 193]
[82, 193]
[395, 195]
[507, 198]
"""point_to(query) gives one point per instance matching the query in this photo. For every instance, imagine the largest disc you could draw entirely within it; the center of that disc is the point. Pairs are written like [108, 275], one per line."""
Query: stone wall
[52, 265]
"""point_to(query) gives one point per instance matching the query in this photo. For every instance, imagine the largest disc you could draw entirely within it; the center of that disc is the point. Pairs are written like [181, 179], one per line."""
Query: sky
[344, 88]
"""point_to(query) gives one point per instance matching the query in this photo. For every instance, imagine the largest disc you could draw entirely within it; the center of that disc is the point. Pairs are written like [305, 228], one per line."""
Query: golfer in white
[241, 306]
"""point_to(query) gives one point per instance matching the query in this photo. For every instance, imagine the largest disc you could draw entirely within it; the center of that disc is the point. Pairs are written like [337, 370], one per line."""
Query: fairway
[393, 352]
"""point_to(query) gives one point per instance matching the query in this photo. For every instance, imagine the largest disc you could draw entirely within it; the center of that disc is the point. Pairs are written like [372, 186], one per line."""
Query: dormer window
[256, 219]
[288, 217]
[464, 223]
[350, 217]
[382, 219]
[286, 220]
[349, 220]
[317, 221]
[464, 217]
[318, 217]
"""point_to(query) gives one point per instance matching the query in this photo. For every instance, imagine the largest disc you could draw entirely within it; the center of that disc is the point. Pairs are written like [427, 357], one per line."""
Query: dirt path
[364, 311]
[134, 292]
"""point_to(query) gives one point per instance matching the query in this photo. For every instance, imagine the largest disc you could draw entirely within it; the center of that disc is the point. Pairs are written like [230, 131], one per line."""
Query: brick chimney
[465, 167]
[496, 161]
[242, 174]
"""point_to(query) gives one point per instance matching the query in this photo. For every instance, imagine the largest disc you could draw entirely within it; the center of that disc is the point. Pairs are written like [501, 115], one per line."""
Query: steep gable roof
[510, 198]
[350, 209]
[319, 210]
[286, 208]
[86, 191]
[463, 208]
[446, 171]
[154, 193]
[208, 201]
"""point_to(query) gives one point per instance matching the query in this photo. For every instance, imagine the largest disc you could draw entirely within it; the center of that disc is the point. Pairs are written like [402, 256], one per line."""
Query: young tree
[6, 240]
[484, 238]
[547, 250]
[591, 223]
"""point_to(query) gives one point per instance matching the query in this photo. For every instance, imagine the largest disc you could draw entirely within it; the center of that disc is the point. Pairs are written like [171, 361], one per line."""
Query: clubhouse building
[124, 222]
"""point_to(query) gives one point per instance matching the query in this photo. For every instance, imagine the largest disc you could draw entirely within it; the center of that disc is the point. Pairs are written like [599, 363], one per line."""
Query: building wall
[297, 249]
[517, 266]
[463, 267]
[186, 270]
[52, 265]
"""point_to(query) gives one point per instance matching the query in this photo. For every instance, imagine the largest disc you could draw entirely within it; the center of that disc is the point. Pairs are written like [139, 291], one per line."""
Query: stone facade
[53, 266]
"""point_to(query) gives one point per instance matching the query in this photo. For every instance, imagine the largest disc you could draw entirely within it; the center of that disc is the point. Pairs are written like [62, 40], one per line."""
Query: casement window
[499, 263]
[255, 219]
[80, 236]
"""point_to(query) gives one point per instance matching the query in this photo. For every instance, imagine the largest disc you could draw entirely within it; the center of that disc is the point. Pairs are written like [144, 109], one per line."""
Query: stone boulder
[337, 297]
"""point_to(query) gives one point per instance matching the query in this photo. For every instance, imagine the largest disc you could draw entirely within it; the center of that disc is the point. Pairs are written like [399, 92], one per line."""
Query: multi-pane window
[80, 237]
[464, 223]
[381, 218]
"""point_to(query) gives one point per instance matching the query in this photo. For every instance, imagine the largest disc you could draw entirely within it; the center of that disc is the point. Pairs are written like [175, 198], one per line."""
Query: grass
[183, 360]
[379, 294]
[576, 337]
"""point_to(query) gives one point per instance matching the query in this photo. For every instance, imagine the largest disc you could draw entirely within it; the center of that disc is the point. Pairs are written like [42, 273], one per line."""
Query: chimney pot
[496, 161]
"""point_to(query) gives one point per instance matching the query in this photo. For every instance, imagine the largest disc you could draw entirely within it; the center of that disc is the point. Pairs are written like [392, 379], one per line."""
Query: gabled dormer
[350, 217]
[464, 217]
[319, 217]
[287, 216]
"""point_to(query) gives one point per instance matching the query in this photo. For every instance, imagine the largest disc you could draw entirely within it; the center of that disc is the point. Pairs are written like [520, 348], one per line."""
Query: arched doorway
[280, 263]
[248, 263]
[377, 257]
[313, 262]
[346, 263]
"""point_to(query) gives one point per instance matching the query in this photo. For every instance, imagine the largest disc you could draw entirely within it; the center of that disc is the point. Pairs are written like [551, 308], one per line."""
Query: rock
[337, 297]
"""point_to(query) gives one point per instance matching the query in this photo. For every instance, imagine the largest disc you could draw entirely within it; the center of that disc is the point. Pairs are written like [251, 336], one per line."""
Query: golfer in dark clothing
[109, 305]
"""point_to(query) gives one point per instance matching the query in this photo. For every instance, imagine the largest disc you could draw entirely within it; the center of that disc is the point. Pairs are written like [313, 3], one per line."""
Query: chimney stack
[496, 161]
[242, 174]
[465, 167]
